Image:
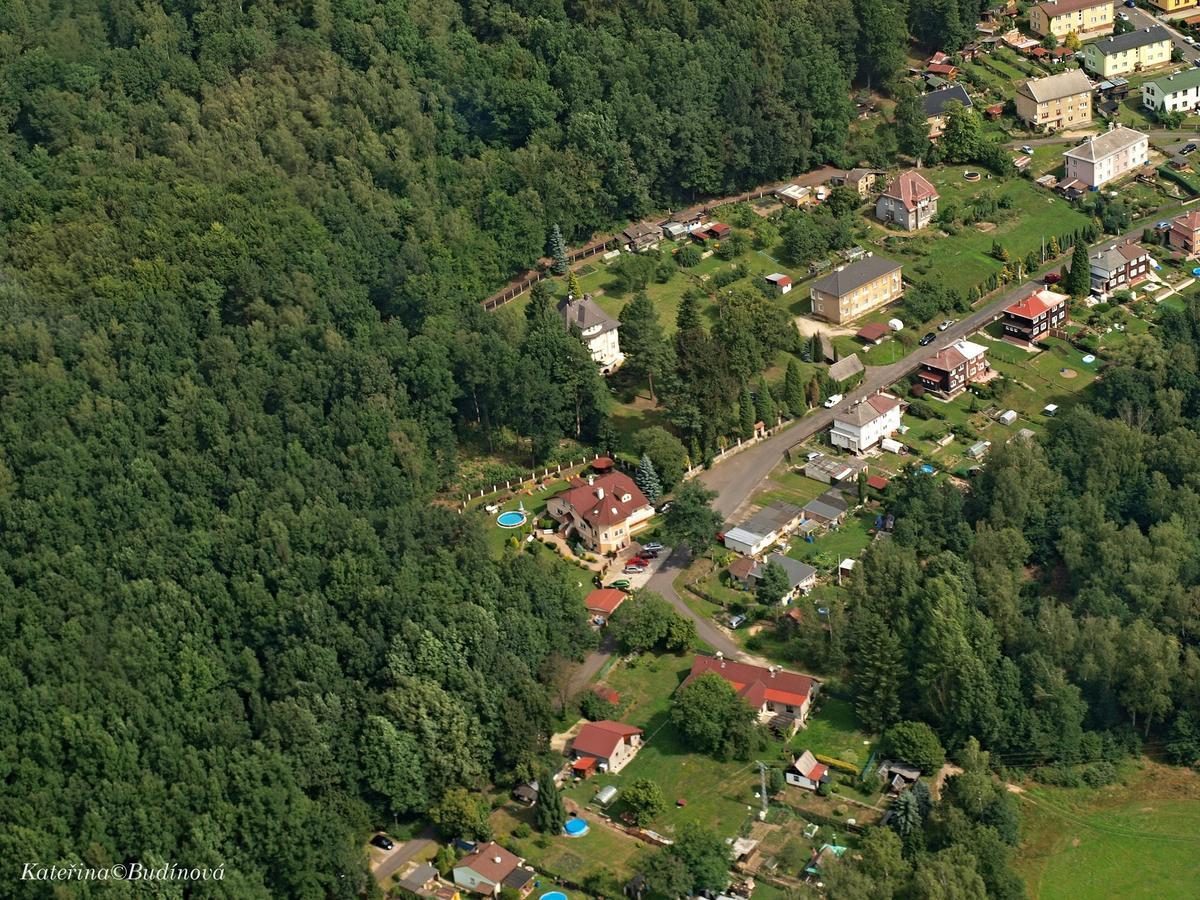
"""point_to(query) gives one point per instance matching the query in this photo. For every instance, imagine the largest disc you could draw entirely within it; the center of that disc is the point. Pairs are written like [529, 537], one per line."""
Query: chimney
[773, 670]
[591, 480]
[599, 493]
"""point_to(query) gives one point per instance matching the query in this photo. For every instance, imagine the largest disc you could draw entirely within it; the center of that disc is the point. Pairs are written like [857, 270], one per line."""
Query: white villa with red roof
[1033, 317]
[603, 512]
[949, 371]
[910, 201]
[781, 698]
[604, 746]
[806, 772]
[866, 423]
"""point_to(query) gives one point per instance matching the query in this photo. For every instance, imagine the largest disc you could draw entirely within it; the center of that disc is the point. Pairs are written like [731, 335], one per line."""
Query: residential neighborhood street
[391, 862]
[1141, 18]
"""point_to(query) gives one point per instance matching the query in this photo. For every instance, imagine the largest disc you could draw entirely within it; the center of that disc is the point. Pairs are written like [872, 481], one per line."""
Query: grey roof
[771, 518]
[934, 103]
[829, 505]
[845, 279]
[846, 368]
[1106, 144]
[1053, 87]
[518, 878]
[641, 229]
[419, 877]
[834, 465]
[1130, 40]
[584, 314]
[797, 572]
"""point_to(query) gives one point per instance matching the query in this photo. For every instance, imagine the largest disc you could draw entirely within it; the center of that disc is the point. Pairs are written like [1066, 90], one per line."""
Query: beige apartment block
[1086, 18]
[1056, 101]
[854, 290]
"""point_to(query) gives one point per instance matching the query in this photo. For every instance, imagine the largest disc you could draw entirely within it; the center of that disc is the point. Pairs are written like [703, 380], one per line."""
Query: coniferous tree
[793, 389]
[648, 353]
[550, 815]
[558, 251]
[764, 403]
[879, 672]
[688, 315]
[1079, 279]
[574, 291]
[647, 480]
[746, 413]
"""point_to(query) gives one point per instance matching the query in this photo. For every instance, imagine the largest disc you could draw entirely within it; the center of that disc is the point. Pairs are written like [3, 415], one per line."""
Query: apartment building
[1134, 51]
[854, 290]
[1107, 157]
[1173, 93]
[1056, 101]
[1086, 18]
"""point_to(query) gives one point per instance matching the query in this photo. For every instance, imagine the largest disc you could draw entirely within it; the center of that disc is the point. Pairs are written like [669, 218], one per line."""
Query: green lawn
[835, 731]
[846, 542]
[1140, 838]
[602, 850]
[962, 260]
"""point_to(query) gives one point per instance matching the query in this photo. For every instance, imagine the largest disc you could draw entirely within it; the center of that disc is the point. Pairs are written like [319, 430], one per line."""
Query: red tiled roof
[877, 481]
[1035, 304]
[872, 332]
[910, 189]
[604, 600]
[719, 229]
[882, 403]
[602, 464]
[1188, 221]
[602, 738]
[585, 499]
[755, 683]
[483, 861]
[942, 69]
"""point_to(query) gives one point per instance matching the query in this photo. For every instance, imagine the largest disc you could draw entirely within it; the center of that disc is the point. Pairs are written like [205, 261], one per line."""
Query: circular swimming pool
[575, 828]
[511, 519]
[554, 895]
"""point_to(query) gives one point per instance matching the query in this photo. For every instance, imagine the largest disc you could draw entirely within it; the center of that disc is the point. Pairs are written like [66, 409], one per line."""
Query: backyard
[1137, 838]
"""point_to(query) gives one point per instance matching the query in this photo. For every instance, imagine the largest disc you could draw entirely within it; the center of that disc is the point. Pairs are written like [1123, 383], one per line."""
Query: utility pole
[762, 788]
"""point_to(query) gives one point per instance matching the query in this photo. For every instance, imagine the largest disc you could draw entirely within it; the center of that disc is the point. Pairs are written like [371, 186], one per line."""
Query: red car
[638, 561]
[1053, 277]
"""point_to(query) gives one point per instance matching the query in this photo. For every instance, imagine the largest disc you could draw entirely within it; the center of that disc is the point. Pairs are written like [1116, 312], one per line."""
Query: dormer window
[625, 498]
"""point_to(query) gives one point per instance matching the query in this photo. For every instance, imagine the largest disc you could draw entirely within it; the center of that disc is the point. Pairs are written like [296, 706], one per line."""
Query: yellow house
[1133, 51]
[854, 290]
[1056, 101]
[1173, 5]
[1086, 18]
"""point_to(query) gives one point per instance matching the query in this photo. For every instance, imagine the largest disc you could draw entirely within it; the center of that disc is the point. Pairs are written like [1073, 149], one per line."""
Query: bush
[521, 831]
[1097, 775]
[1058, 776]
[688, 256]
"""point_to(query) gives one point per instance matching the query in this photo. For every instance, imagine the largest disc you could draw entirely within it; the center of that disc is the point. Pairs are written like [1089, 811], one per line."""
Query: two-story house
[489, 868]
[1134, 51]
[949, 371]
[1106, 157]
[1118, 267]
[1084, 18]
[1033, 317]
[1056, 101]
[603, 512]
[1179, 92]
[597, 330]
[866, 423]
[604, 746]
[780, 698]
[855, 289]
[936, 105]
[1173, 5]
[1184, 234]
[910, 201]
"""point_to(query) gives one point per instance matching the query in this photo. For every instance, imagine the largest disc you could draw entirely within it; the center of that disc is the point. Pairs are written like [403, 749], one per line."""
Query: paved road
[401, 854]
[1140, 18]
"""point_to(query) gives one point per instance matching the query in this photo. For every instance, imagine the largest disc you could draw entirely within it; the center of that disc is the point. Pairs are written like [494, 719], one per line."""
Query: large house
[1118, 266]
[1033, 317]
[860, 180]
[780, 697]
[854, 290]
[1056, 101]
[604, 746]
[1173, 5]
[806, 772]
[1173, 93]
[1133, 51]
[597, 330]
[866, 423]
[910, 202]
[489, 868]
[1184, 234]
[1084, 18]
[766, 527]
[936, 105]
[802, 577]
[1106, 157]
[949, 371]
[603, 512]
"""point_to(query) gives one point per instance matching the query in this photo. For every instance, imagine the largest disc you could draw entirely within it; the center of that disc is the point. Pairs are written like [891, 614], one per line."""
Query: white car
[833, 401]
[946, 324]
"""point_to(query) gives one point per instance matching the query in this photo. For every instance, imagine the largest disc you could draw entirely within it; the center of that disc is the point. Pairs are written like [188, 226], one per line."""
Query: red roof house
[910, 201]
[602, 512]
[780, 697]
[490, 868]
[877, 481]
[603, 602]
[605, 745]
[945, 70]
[1033, 316]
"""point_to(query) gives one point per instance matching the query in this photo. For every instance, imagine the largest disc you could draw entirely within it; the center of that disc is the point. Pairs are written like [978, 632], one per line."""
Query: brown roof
[602, 502]
[1188, 221]
[740, 568]
[484, 861]
[756, 684]
[910, 189]
[604, 600]
[602, 738]
[877, 481]
[872, 332]
[1062, 7]
[952, 357]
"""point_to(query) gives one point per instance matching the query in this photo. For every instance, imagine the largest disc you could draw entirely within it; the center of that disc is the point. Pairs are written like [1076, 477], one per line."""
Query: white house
[1173, 93]
[1107, 156]
[771, 523]
[806, 772]
[866, 424]
[597, 329]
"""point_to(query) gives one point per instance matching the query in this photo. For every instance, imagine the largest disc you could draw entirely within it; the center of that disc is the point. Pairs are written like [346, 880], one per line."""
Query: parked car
[666, 507]
[833, 401]
[1163, 225]
[946, 324]
[382, 841]
[642, 561]
[1131, 3]
[649, 554]
[1124, 16]
[1027, 150]
[736, 621]
[816, 454]
[1053, 277]
[1188, 148]
[928, 339]
[621, 584]
[634, 570]
[653, 545]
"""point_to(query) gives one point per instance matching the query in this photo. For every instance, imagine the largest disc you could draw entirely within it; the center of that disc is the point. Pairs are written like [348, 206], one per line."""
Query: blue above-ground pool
[554, 895]
[575, 828]
[926, 469]
[511, 519]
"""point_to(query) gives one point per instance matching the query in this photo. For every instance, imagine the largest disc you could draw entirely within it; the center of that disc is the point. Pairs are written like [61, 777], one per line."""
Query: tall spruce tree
[646, 478]
[550, 815]
[746, 413]
[1079, 279]
[793, 389]
[764, 403]
[647, 351]
[558, 251]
